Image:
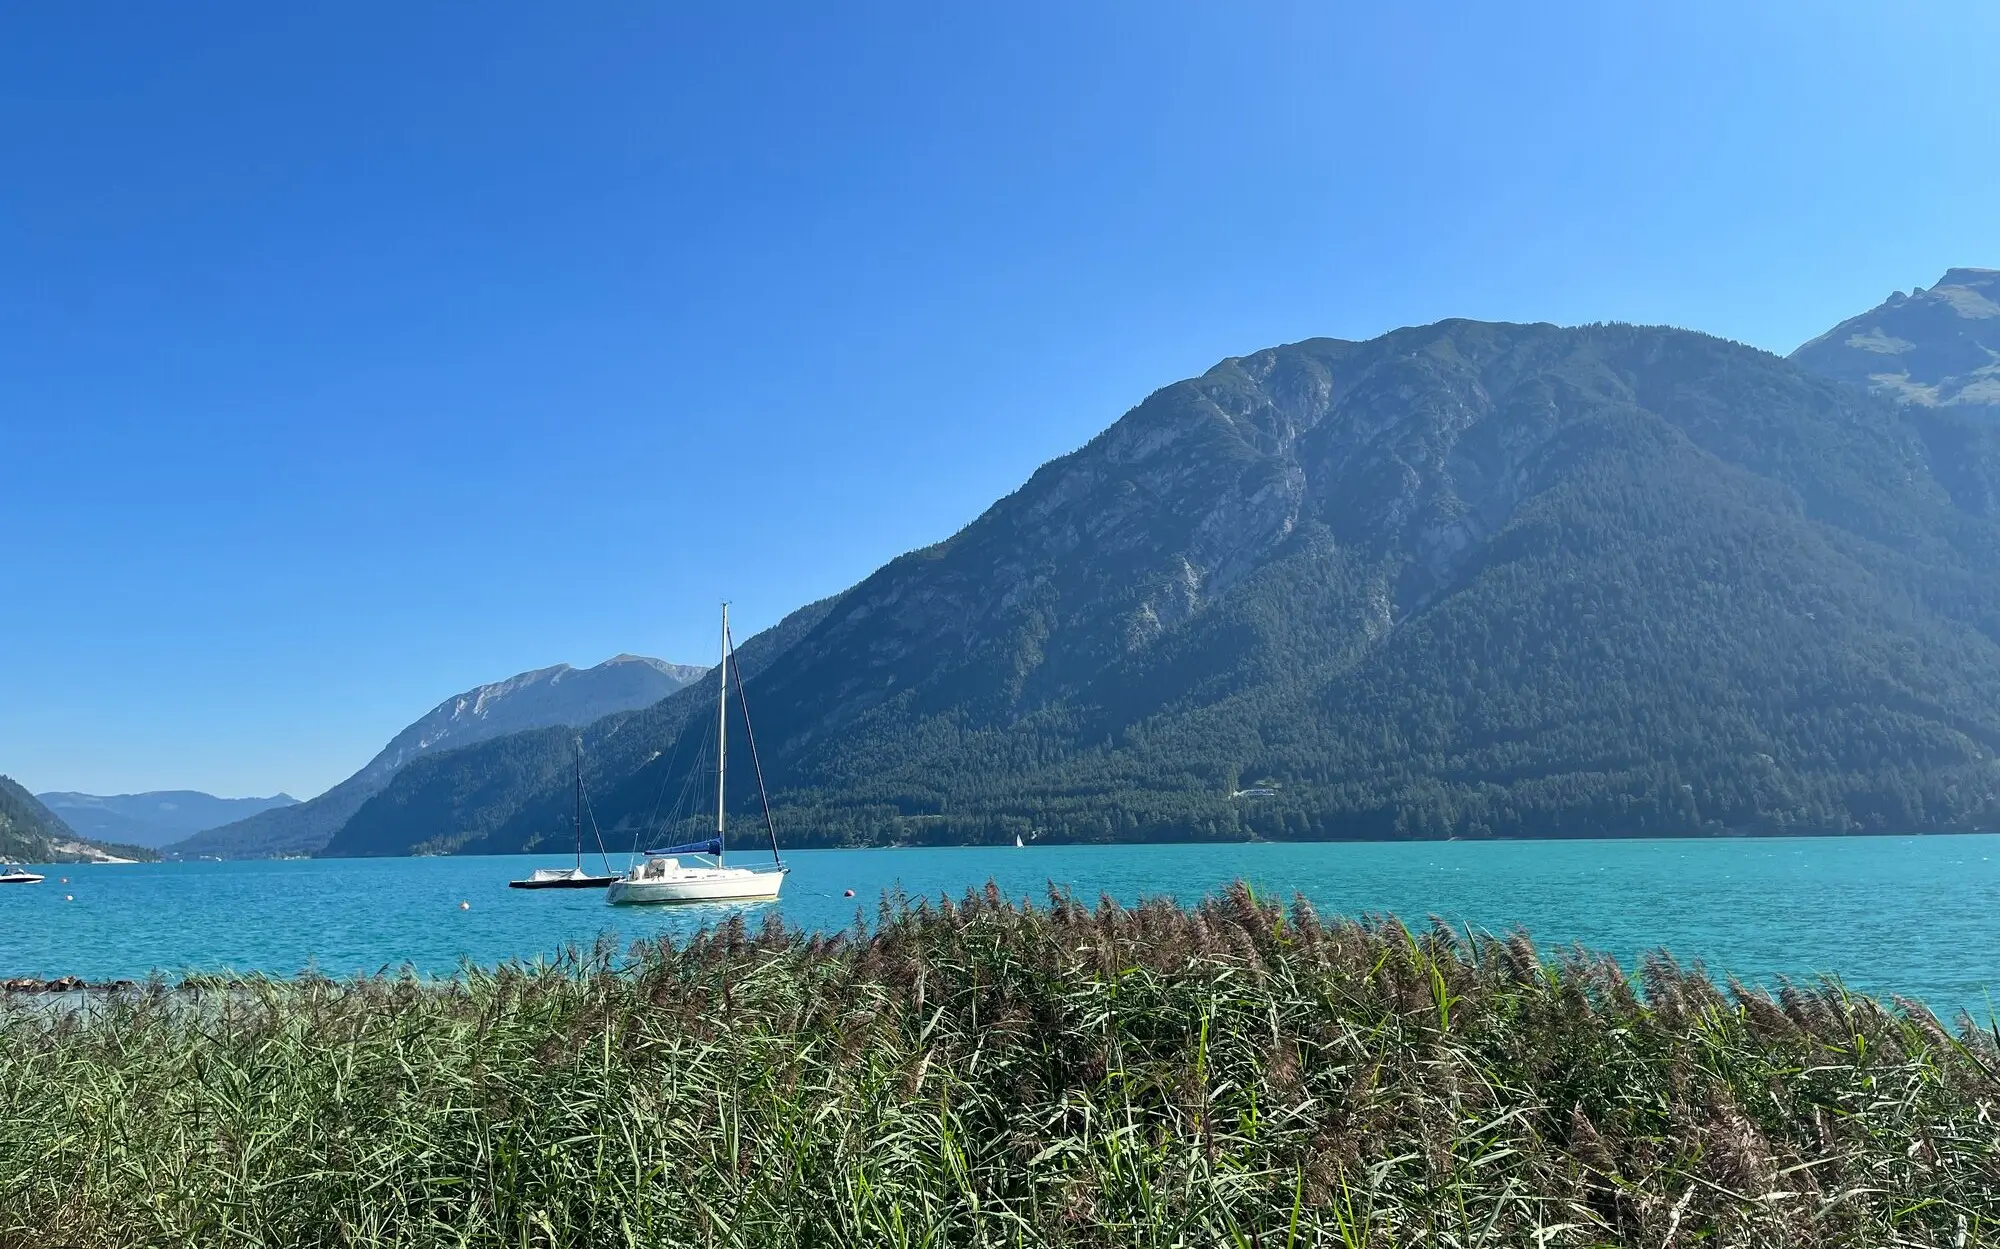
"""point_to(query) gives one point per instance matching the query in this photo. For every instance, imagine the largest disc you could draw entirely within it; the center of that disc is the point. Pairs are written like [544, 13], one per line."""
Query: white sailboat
[702, 875]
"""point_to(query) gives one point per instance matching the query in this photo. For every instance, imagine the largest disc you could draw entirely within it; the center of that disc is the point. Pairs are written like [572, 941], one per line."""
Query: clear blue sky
[351, 355]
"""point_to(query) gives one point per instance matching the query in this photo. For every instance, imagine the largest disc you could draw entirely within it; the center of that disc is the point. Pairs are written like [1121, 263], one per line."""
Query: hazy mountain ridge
[155, 818]
[544, 697]
[31, 833]
[1463, 579]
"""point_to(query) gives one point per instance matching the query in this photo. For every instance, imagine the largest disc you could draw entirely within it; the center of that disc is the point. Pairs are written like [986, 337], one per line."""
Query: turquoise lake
[1918, 916]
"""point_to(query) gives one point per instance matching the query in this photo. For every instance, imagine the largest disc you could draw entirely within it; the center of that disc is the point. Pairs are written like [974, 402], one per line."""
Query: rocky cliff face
[545, 697]
[1463, 579]
[1936, 348]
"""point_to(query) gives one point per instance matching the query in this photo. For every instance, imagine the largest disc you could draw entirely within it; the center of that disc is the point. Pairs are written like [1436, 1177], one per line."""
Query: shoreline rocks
[64, 984]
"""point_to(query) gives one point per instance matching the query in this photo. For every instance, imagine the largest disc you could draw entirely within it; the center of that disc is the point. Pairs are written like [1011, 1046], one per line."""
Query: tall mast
[721, 727]
[749, 735]
[579, 808]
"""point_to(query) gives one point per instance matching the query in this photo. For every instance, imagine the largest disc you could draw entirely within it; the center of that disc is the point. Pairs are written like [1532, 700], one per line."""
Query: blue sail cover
[712, 846]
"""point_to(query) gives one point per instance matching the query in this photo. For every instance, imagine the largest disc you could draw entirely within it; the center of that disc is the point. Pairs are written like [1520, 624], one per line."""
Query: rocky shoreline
[64, 984]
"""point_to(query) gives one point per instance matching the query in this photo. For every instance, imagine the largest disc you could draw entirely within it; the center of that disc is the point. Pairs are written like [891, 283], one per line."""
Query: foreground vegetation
[986, 1073]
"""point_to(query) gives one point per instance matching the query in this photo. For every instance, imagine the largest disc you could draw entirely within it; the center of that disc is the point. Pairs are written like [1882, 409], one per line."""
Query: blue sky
[354, 356]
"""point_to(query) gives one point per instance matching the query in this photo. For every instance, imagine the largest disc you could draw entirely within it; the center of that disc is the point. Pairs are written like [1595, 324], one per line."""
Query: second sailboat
[571, 877]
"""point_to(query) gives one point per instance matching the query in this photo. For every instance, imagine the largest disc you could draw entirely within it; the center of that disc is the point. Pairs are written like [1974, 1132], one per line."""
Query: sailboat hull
[722, 884]
[567, 882]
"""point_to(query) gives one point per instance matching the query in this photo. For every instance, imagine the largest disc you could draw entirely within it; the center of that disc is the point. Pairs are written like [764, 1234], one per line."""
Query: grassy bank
[985, 1073]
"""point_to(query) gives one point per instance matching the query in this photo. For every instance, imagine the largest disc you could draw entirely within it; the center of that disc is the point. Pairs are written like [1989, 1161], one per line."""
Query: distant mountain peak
[684, 673]
[532, 700]
[1977, 279]
[1936, 348]
[538, 698]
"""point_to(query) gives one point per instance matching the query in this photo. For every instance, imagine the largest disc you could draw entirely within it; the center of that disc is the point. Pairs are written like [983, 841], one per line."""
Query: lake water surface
[1919, 916]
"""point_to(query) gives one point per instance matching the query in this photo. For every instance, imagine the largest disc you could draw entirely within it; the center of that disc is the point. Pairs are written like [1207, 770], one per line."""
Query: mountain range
[156, 818]
[1464, 579]
[31, 833]
[541, 699]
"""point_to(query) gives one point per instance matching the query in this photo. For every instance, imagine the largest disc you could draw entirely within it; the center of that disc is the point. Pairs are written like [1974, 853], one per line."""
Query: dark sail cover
[712, 846]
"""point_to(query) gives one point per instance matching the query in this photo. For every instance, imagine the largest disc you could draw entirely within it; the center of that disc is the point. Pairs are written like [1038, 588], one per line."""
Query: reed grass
[985, 1072]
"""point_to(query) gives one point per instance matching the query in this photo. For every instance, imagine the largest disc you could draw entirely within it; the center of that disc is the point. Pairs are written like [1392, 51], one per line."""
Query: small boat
[11, 875]
[1018, 843]
[571, 877]
[664, 877]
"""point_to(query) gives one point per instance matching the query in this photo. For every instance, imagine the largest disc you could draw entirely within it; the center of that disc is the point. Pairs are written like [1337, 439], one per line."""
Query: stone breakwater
[64, 984]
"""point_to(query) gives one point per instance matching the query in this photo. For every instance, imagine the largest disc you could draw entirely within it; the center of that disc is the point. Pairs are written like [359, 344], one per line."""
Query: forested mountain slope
[1461, 580]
